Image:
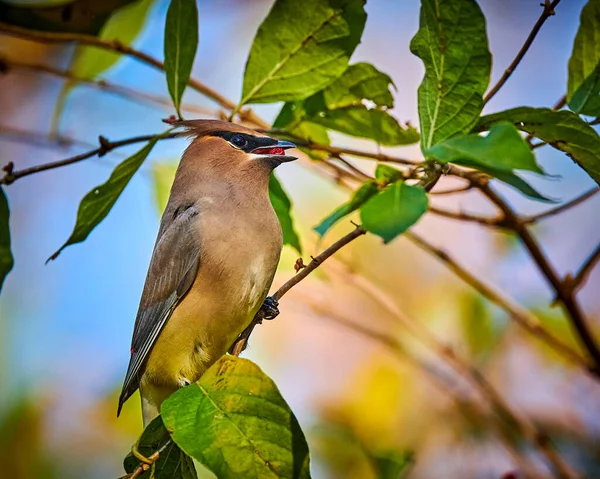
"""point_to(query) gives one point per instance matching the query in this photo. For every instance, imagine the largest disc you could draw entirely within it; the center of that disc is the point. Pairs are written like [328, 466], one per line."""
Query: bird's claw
[270, 309]
[140, 457]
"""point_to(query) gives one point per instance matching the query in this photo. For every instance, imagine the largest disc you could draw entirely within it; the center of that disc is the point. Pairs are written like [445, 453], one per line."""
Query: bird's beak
[276, 151]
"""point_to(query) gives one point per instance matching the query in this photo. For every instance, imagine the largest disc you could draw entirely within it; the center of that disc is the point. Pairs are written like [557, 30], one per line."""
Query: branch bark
[546, 13]
[240, 343]
[520, 315]
[104, 85]
[509, 420]
[106, 146]
[563, 294]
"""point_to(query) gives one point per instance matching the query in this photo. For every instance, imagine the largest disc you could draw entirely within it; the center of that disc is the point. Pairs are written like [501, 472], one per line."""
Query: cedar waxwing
[213, 262]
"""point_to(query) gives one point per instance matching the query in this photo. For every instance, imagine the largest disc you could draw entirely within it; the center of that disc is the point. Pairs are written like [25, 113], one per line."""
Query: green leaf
[480, 332]
[516, 182]
[453, 45]
[385, 174]
[498, 154]
[172, 462]
[75, 16]
[163, 175]
[235, 422]
[359, 81]
[283, 206]
[360, 196]
[502, 149]
[359, 121]
[300, 48]
[340, 107]
[291, 119]
[6, 257]
[181, 41]
[124, 26]
[564, 130]
[394, 210]
[583, 86]
[392, 464]
[89, 62]
[99, 201]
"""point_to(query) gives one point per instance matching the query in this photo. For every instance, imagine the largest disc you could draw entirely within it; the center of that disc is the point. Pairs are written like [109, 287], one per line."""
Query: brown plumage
[213, 262]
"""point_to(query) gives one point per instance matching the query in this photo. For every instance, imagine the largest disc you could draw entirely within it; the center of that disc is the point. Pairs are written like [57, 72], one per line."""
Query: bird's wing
[172, 271]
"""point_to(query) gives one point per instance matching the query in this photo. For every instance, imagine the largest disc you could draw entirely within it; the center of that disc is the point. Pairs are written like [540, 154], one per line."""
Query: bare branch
[105, 146]
[559, 209]
[452, 191]
[547, 12]
[459, 215]
[116, 46]
[106, 86]
[563, 294]
[40, 140]
[520, 315]
[582, 275]
[240, 343]
[509, 420]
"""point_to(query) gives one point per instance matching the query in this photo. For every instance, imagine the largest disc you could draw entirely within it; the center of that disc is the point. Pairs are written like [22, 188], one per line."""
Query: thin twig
[559, 209]
[574, 283]
[520, 315]
[458, 215]
[104, 85]
[335, 150]
[435, 375]
[353, 168]
[547, 12]
[113, 45]
[563, 294]
[452, 191]
[105, 146]
[240, 343]
[509, 418]
[41, 140]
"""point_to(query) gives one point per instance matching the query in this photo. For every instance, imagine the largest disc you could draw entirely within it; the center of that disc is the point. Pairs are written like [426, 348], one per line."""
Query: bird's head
[229, 145]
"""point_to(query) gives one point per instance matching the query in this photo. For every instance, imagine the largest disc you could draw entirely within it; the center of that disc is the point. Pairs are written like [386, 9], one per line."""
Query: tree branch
[563, 294]
[105, 146]
[573, 284]
[559, 209]
[240, 343]
[547, 12]
[112, 45]
[520, 315]
[508, 418]
[460, 216]
[103, 85]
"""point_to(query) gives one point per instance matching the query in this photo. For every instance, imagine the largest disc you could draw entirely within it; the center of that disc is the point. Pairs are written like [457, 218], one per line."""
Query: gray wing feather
[172, 271]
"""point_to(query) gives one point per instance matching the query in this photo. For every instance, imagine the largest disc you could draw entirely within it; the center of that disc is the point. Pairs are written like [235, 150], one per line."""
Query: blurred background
[368, 410]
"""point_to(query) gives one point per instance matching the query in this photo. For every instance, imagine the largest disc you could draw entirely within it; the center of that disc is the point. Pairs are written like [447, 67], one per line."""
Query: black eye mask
[244, 141]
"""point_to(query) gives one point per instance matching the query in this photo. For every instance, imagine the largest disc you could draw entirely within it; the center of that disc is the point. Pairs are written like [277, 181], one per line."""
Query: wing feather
[172, 271]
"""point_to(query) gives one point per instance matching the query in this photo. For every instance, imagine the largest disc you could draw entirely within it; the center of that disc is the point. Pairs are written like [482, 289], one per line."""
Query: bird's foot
[139, 456]
[269, 309]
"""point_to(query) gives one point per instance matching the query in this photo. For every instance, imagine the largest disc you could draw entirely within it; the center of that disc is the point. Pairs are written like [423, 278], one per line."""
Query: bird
[214, 260]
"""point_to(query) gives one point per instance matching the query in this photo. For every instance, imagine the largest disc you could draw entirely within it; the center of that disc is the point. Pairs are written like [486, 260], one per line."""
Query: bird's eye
[238, 141]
